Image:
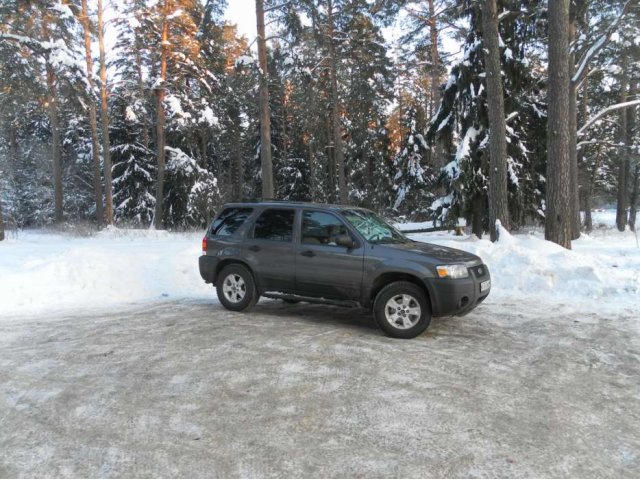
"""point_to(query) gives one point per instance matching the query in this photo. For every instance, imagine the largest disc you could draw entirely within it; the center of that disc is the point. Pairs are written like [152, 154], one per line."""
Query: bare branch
[599, 44]
[605, 111]
[276, 7]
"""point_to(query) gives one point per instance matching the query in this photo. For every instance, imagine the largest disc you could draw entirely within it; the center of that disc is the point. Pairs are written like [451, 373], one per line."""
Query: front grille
[479, 271]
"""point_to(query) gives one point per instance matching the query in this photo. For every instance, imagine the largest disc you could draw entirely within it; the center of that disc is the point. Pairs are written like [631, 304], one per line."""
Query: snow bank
[601, 272]
[41, 272]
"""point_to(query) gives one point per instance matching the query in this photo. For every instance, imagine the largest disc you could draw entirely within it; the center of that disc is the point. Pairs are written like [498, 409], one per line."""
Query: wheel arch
[386, 278]
[232, 261]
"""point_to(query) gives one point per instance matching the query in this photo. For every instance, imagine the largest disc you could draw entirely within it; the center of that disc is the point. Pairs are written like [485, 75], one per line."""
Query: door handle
[308, 253]
[254, 248]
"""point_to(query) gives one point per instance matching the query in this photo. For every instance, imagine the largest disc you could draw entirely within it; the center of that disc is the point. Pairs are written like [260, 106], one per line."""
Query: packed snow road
[187, 389]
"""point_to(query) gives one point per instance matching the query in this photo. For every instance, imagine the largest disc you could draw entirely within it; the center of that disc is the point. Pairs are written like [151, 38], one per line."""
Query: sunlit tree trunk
[160, 114]
[265, 114]
[138, 59]
[93, 122]
[104, 118]
[435, 59]
[338, 149]
[52, 111]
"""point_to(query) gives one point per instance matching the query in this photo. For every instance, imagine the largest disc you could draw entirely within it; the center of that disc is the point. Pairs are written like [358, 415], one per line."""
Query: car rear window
[230, 220]
[275, 224]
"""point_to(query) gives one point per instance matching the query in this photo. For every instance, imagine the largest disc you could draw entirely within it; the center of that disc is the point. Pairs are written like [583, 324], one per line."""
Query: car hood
[438, 252]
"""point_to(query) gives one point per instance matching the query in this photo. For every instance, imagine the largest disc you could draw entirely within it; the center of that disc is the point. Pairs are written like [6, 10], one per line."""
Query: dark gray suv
[338, 255]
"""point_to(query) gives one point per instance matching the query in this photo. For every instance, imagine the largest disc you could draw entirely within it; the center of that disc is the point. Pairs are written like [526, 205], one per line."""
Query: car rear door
[269, 249]
[323, 268]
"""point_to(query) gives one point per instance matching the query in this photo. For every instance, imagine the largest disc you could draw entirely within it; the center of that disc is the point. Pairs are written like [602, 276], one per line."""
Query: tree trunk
[633, 202]
[588, 220]
[331, 163]
[1, 223]
[584, 113]
[573, 149]
[52, 110]
[558, 218]
[104, 119]
[160, 94]
[93, 123]
[623, 166]
[435, 60]
[632, 178]
[145, 130]
[335, 109]
[437, 151]
[477, 212]
[238, 173]
[498, 199]
[312, 173]
[265, 114]
[13, 148]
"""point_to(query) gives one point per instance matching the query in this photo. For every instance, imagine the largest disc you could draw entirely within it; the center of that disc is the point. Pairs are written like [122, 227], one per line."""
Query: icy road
[187, 389]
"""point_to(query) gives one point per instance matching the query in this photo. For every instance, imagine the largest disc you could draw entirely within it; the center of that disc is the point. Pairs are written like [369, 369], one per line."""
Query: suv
[337, 255]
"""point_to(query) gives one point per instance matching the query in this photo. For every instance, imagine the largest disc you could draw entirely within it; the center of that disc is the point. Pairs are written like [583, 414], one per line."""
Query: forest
[154, 113]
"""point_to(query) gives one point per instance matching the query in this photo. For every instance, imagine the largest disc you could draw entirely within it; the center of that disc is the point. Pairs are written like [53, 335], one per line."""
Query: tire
[410, 319]
[241, 286]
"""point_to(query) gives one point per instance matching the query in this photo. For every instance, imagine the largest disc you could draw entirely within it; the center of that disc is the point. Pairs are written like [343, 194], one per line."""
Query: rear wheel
[236, 288]
[401, 310]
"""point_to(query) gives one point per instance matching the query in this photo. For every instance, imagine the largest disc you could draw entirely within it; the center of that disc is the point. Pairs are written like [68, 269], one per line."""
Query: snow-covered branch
[605, 111]
[599, 44]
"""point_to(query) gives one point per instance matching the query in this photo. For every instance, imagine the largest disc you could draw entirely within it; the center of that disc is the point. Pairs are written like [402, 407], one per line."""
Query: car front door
[270, 250]
[324, 268]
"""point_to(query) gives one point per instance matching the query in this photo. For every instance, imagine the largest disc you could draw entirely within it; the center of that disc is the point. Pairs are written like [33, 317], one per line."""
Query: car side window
[230, 220]
[320, 228]
[275, 224]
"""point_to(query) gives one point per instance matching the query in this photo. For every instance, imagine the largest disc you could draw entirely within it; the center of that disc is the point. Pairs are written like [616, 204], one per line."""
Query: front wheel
[236, 288]
[401, 310]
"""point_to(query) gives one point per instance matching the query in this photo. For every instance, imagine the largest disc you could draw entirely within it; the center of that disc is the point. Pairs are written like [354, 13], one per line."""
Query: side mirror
[345, 241]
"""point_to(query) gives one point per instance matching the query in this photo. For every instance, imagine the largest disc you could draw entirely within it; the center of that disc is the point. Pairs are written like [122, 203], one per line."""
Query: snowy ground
[187, 389]
[117, 361]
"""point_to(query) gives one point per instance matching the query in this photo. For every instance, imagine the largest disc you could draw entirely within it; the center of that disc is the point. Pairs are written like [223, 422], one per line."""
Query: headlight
[452, 271]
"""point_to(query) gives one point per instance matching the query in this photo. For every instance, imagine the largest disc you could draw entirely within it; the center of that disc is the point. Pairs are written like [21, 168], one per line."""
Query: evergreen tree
[415, 178]
[461, 123]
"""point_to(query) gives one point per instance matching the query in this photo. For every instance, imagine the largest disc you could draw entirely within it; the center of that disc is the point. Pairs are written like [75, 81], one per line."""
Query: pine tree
[414, 179]
[461, 125]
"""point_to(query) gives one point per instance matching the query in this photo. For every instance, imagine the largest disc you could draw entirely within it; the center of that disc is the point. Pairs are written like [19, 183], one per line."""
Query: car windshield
[373, 228]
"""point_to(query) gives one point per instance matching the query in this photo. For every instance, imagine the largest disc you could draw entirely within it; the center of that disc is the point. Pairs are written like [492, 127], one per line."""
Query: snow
[129, 115]
[42, 273]
[244, 60]
[601, 273]
[405, 226]
[208, 117]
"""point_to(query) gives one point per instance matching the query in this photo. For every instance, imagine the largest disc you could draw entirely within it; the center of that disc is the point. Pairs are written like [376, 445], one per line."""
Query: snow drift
[43, 272]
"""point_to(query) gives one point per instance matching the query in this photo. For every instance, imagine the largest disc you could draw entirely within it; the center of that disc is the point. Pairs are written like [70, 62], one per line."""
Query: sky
[243, 14]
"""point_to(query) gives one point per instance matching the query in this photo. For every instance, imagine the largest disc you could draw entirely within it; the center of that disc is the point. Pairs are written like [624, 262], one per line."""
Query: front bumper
[458, 296]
